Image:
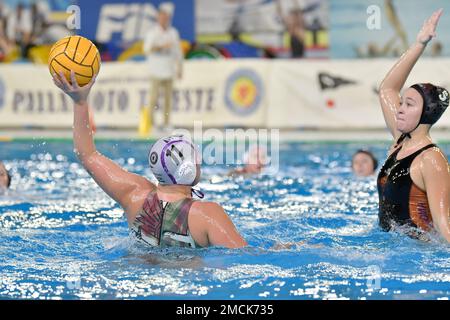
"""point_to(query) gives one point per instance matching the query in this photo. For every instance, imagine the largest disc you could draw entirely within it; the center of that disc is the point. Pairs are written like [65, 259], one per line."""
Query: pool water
[63, 238]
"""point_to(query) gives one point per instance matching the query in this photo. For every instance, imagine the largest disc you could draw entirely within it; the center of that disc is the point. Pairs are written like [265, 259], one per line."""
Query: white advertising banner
[219, 93]
[340, 93]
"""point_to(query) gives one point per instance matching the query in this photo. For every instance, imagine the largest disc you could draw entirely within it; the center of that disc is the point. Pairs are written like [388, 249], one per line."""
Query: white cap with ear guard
[173, 160]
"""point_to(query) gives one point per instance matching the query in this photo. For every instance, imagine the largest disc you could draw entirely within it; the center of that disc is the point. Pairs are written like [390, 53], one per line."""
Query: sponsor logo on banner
[330, 82]
[327, 81]
[119, 23]
[131, 21]
[2, 93]
[244, 91]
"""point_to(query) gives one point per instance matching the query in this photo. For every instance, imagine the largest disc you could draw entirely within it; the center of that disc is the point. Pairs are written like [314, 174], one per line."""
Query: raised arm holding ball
[158, 215]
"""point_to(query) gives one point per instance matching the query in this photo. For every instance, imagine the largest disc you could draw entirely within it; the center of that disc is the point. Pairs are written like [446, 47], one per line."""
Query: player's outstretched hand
[78, 94]
[428, 30]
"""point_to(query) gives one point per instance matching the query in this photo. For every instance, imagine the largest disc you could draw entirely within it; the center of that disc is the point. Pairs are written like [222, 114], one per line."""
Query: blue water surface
[61, 237]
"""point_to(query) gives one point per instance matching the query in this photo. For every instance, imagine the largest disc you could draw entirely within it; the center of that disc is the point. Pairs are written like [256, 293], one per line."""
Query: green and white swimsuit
[164, 224]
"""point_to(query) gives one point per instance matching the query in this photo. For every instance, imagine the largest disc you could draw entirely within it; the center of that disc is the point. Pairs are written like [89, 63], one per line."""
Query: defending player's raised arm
[389, 93]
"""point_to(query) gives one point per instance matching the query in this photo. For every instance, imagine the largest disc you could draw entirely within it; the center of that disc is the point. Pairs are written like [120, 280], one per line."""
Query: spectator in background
[163, 49]
[235, 29]
[19, 28]
[5, 46]
[295, 26]
[5, 178]
[436, 49]
[40, 22]
[315, 28]
[364, 163]
[4, 13]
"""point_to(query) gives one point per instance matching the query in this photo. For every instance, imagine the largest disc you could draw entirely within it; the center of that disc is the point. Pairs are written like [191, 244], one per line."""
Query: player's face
[362, 165]
[408, 115]
[3, 177]
[164, 19]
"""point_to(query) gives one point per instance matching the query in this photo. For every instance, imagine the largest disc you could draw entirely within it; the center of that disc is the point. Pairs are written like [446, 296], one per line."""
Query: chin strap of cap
[198, 193]
[401, 138]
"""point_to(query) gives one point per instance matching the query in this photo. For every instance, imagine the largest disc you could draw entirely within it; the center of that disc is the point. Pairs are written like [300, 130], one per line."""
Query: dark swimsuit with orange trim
[401, 201]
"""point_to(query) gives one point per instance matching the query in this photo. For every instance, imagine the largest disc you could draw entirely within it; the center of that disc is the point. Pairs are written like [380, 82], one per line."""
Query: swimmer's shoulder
[202, 215]
[206, 208]
[148, 185]
[205, 213]
[433, 160]
[209, 224]
[136, 199]
[143, 188]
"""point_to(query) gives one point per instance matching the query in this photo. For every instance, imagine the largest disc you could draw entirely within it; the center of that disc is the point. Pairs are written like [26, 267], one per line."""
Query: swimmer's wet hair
[370, 154]
[9, 179]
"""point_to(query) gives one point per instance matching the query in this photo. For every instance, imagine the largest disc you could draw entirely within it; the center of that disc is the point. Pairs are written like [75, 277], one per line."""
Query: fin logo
[130, 20]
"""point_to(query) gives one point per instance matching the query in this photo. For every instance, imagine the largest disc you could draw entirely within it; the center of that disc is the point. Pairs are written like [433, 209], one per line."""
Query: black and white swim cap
[435, 102]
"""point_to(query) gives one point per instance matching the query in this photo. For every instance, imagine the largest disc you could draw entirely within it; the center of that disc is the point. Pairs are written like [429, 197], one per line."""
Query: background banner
[128, 21]
[219, 94]
[340, 94]
[223, 93]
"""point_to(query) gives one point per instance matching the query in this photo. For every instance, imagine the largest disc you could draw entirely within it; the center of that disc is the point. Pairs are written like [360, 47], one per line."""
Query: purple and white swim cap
[173, 160]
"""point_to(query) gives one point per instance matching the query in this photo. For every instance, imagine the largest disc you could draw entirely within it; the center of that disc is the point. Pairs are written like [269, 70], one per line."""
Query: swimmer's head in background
[175, 160]
[255, 159]
[435, 102]
[255, 155]
[5, 177]
[364, 163]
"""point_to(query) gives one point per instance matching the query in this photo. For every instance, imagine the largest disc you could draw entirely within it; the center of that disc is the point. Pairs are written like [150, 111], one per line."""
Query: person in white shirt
[19, 28]
[163, 49]
[5, 45]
